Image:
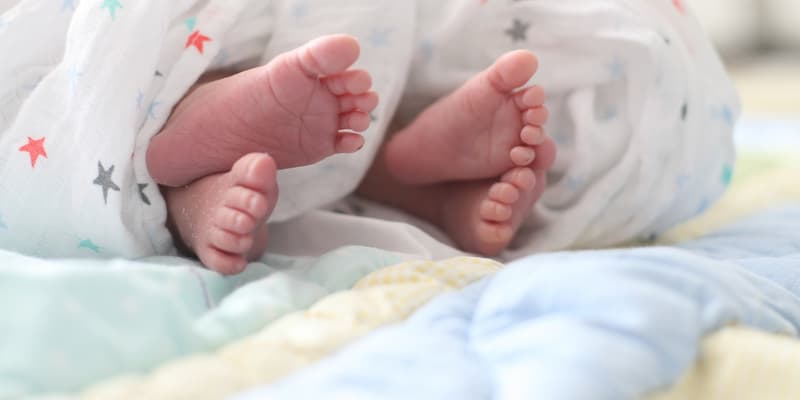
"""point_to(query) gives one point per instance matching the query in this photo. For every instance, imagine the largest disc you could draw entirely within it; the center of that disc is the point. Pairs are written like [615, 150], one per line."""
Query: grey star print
[142, 187]
[519, 31]
[104, 180]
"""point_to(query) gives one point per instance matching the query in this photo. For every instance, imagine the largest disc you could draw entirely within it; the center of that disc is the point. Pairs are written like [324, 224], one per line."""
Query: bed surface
[163, 328]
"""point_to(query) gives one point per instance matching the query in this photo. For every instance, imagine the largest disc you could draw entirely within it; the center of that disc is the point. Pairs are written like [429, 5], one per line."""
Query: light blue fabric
[592, 325]
[66, 324]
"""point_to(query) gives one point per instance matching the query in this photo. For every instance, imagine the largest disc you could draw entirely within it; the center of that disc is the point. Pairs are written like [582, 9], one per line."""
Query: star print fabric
[100, 81]
[641, 108]
[85, 86]
[386, 31]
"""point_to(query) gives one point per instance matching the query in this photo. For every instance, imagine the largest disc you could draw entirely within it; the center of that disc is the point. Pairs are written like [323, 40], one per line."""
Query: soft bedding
[67, 324]
[615, 324]
[621, 323]
[204, 336]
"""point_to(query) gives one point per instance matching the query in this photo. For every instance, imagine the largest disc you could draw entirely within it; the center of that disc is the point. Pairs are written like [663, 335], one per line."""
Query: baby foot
[471, 133]
[221, 218]
[301, 107]
[483, 217]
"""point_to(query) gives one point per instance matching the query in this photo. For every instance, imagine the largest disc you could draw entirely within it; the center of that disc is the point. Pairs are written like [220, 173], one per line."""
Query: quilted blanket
[621, 323]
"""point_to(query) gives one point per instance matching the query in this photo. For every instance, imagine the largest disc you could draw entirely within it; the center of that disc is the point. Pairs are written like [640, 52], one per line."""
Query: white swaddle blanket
[641, 109]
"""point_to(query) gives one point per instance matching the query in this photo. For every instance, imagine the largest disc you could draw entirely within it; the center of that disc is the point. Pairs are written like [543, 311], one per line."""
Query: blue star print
[616, 69]
[3, 224]
[703, 207]
[683, 180]
[139, 98]
[74, 77]
[299, 10]
[151, 110]
[426, 49]
[221, 58]
[727, 114]
[379, 37]
[68, 5]
[608, 115]
[572, 183]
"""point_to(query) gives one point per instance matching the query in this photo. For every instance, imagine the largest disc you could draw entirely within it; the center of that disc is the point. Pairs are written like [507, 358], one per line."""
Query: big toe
[512, 70]
[524, 179]
[329, 55]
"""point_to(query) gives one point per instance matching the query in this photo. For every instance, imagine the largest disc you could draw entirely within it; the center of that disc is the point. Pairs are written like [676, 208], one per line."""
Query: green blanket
[66, 324]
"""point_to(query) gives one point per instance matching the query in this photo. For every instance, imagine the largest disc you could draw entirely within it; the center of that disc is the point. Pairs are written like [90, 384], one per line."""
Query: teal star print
[88, 244]
[112, 6]
[190, 23]
[727, 175]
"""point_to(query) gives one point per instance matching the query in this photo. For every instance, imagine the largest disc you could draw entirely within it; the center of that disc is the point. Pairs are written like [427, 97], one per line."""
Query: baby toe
[536, 116]
[522, 155]
[494, 211]
[222, 262]
[493, 237]
[532, 135]
[531, 97]
[523, 179]
[248, 201]
[349, 82]
[328, 54]
[504, 192]
[235, 221]
[230, 242]
[358, 121]
[365, 102]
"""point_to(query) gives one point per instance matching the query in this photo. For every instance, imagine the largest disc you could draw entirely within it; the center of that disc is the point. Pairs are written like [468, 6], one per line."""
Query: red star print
[680, 6]
[35, 148]
[197, 40]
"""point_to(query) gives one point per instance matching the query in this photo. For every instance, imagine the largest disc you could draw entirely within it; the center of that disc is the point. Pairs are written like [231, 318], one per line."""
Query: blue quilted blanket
[613, 324]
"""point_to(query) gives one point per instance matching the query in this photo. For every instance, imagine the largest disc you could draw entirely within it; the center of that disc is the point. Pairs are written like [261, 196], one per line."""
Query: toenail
[253, 203]
[524, 155]
[526, 178]
[239, 221]
[532, 135]
[536, 116]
